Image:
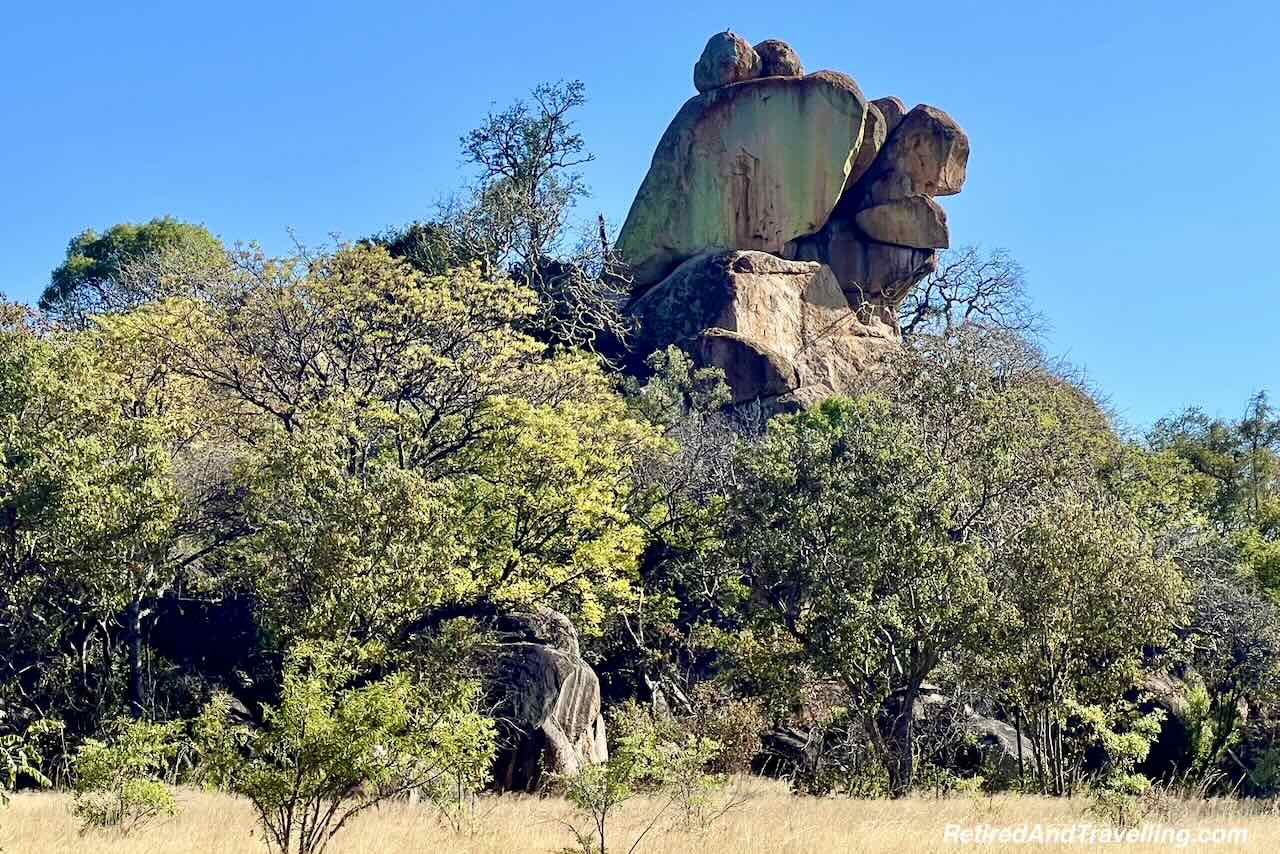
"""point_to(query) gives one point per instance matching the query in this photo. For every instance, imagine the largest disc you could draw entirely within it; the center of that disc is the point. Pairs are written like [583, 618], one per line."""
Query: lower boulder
[869, 271]
[991, 744]
[916, 221]
[779, 329]
[549, 712]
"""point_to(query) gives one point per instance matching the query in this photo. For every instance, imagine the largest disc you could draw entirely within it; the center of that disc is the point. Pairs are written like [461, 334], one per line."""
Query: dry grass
[769, 821]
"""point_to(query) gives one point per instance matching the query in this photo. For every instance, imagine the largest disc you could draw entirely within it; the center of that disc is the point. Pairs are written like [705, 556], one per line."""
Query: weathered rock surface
[777, 59]
[550, 702]
[751, 165]
[927, 154]
[893, 110]
[915, 221]
[868, 271]
[996, 742]
[778, 328]
[727, 58]
[873, 137]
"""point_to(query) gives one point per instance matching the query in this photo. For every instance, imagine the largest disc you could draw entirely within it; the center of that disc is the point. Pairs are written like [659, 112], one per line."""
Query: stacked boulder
[784, 219]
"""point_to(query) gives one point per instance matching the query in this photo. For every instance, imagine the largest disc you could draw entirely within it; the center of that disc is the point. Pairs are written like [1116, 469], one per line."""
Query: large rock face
[549, 702]
[750, 165]
[766, 165]
[774, 326]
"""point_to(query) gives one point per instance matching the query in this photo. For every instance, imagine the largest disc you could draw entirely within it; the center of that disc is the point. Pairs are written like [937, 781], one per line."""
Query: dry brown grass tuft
[769, 821]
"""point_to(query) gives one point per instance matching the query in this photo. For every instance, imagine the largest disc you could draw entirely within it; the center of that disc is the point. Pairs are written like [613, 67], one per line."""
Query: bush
[652, 755]
[333, 747]
[120, 783]
[20, 757]
[734, 723]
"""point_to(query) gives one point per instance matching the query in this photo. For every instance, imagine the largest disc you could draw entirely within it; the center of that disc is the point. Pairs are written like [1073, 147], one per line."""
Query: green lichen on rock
[750, 165]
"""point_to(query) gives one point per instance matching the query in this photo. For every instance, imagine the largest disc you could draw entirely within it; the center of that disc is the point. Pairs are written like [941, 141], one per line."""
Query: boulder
[996, 745]
[926, 154]
[893, 110]
[916, 221]
[750, 165]
[868, 271]
[873, 137]
[727, 58]
[777, 59]
[778, 328]
[548, 702]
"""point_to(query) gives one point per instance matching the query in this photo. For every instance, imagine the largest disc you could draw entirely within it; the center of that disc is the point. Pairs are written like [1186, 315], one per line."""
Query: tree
[534, 511]
[517, 218]
[970, 286]
[339, 743]
[99, 275]
[1084, 593]
[400, 446]
[869, 531]
[87, 515]
[1238, 468]
[841, 529]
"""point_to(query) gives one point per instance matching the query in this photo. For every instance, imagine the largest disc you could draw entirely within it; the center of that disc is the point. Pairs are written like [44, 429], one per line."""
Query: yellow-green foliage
[120, 782]
[336, 745]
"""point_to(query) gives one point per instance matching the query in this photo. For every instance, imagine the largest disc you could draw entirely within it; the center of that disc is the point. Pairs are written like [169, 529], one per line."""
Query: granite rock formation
[549, 708]
[783, 220]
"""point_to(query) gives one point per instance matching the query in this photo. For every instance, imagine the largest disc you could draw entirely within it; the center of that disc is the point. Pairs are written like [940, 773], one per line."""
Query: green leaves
[339, 742]
[120, 782]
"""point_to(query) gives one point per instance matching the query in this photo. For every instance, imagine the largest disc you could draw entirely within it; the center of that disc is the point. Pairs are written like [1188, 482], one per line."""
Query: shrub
[332, 748]
[734, 723]
[20, 757]
[120, 783]
[654, 755]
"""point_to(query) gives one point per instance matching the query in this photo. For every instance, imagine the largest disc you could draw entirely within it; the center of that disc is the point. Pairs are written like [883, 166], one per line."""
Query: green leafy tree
[1238, 465]
[1084, 593]
[101, 275]
[20, 757]
[87, 514]
[339, 743]
[868, 532]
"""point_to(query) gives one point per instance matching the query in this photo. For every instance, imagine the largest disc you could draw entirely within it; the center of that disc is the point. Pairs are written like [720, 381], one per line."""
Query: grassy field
[768, 821]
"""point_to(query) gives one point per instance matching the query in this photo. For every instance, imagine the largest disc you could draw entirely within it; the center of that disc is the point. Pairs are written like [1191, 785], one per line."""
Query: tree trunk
[133, 630]
[898, 734]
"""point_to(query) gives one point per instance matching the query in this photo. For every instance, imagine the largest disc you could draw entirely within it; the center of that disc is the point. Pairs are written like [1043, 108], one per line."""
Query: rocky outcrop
[750, 165]
[997, 746]
[727, 58]
[927, 154]
[549, 702]
[766, 167]
[873, 274]
[773, 326]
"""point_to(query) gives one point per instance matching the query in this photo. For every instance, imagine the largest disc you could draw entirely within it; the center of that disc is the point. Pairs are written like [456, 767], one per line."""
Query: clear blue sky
[1128, 153]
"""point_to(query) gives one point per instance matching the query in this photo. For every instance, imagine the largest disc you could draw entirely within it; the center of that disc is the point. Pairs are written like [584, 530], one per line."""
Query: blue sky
[1128, 153]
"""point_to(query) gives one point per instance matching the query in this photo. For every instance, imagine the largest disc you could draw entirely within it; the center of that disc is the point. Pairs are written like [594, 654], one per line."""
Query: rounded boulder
[727, 58]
